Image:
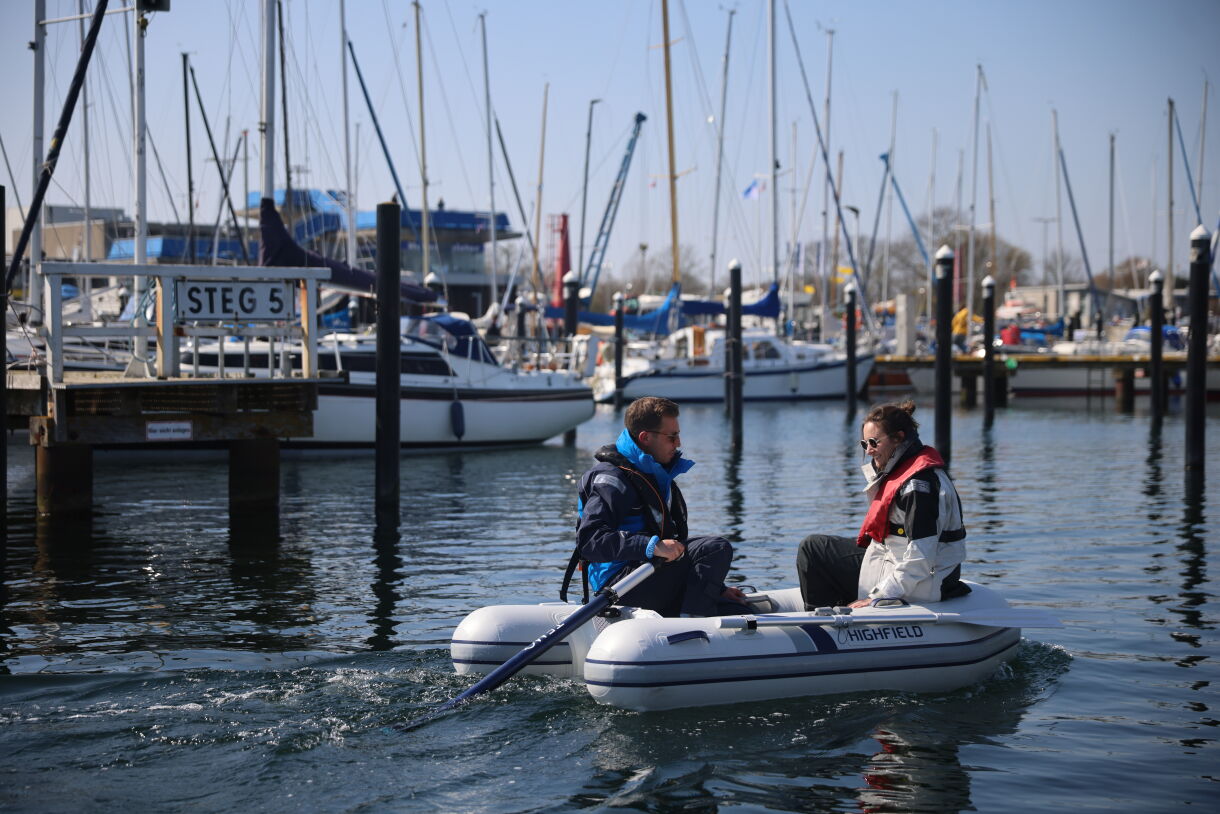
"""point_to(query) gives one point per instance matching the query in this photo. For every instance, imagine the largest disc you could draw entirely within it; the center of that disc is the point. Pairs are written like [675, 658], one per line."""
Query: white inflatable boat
[641, 661]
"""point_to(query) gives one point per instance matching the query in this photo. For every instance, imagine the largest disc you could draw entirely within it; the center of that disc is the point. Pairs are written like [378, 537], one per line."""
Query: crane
[594, 268]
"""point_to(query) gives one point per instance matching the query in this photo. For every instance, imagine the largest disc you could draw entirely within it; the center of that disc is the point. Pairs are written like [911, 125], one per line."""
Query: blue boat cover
[1173, 337]
[277, 248]
[658, 321]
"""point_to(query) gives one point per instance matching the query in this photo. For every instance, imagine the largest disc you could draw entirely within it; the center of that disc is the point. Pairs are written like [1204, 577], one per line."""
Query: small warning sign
[167, 431]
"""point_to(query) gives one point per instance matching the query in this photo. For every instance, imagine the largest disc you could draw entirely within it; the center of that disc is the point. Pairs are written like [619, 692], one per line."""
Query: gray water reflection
[265, 665]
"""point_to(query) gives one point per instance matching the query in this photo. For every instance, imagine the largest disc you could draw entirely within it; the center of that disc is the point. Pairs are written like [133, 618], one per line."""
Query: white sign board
[168, 430]
[224, 300]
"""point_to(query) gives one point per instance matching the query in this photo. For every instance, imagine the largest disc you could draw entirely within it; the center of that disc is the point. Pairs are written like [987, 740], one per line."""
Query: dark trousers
[829, 570]
[691, 585]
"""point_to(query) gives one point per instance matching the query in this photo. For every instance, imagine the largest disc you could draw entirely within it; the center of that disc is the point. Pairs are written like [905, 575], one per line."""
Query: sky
[1106, 66]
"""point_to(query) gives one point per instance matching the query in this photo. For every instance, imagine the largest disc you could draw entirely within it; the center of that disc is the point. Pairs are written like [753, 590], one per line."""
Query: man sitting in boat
[911, 545]
[631, 511]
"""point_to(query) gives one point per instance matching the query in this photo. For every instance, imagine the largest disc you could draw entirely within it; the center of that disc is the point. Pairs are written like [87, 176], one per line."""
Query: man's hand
[669, 550]
[861, 603]
[733, 595]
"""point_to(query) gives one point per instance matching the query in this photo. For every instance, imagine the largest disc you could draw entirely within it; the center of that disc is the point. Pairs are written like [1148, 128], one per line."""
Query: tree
[908, 271]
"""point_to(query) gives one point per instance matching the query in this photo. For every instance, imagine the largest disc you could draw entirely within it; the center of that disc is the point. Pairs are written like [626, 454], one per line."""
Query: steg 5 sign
[233, 300]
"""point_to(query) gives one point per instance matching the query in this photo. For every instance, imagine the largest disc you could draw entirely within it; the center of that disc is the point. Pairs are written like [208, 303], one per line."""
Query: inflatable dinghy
[636, 659]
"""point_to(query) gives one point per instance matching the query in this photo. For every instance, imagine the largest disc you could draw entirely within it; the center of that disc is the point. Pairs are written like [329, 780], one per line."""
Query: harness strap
[576, 561]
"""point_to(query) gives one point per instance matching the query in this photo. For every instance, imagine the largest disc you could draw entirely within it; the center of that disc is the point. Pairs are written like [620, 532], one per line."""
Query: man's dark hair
[894, 418]
[646, 414]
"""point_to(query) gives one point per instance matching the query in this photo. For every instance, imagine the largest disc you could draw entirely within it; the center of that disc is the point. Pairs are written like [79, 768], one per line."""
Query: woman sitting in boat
[911, 545]
[631, 511]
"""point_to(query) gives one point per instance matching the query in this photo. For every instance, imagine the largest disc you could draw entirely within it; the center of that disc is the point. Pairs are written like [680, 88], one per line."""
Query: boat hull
[346, 416]
[645, 662]
[685, 384]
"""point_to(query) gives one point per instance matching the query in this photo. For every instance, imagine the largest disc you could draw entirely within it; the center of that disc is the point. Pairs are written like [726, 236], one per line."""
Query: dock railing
[197, 302]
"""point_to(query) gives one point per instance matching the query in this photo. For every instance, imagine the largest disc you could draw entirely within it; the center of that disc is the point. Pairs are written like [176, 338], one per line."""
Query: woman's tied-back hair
[646, 414]
[894, 418]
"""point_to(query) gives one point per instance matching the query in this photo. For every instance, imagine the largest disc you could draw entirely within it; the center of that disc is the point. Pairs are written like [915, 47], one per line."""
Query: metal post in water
[852, 386]
[733, 351]
[618, 349]
[520, 304]
[1196, 351]
[389, 350]
[944, 349]
[1156, 325]
[571, 305]
[989, 384]
[4, 414]
[571, 302]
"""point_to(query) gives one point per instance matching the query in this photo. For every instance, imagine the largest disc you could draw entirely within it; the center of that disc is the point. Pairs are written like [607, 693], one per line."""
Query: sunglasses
[672, 436]
[869, 443]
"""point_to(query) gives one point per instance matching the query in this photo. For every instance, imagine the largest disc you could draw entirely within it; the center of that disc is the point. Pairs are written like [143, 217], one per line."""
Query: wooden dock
[153, 403]
[1121, 370]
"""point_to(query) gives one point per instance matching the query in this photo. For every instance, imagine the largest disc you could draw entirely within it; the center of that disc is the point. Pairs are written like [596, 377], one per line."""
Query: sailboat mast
[190, 177]
[87, 247]
[349, 200]
[284, 107]
[491, 166]
[993, 263]
[676, 275]
[889, 210]
[1059, 221]
[139, 363]
[546, 90]
[724, 92]
[931, 222]
[1171, 238]
[33, 289]
[1113, 274]
[974, 189]
[823, 270]
[1202, 142]
[267, 125]
[425, 244]
[774, 144]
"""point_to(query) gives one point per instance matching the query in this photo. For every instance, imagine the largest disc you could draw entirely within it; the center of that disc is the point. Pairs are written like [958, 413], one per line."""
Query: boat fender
[457, 419]
[677, 638]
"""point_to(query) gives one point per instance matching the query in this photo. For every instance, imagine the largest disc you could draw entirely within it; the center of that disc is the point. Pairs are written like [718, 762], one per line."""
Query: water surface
[154, 661]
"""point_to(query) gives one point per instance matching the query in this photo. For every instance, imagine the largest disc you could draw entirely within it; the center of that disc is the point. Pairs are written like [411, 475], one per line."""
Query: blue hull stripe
[498, 663]
[504, 644]
[807, 674]
[805, 654]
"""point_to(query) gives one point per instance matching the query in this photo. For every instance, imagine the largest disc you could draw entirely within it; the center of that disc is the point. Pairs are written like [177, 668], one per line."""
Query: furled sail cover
[277, 248]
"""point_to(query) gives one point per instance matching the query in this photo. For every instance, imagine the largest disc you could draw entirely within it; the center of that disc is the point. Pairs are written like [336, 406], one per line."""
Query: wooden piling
[944, 351]
[852, 386]
[988, 350]
[1196, 351]
[63, 475]
[254, 483]
[618, 350]
[1124, 389]
[389, 350]
[736, 377]
[1156, 325]
[571, 317]
[968, 397]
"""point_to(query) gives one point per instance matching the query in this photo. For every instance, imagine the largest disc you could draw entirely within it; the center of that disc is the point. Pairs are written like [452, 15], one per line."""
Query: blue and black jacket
[625, 501]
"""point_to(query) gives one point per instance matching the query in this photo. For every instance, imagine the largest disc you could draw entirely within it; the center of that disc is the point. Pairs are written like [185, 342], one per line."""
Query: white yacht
[454, 392]
[688, 365]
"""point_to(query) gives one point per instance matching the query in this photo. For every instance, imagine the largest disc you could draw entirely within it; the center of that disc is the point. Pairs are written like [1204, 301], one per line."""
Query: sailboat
[689, 363]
